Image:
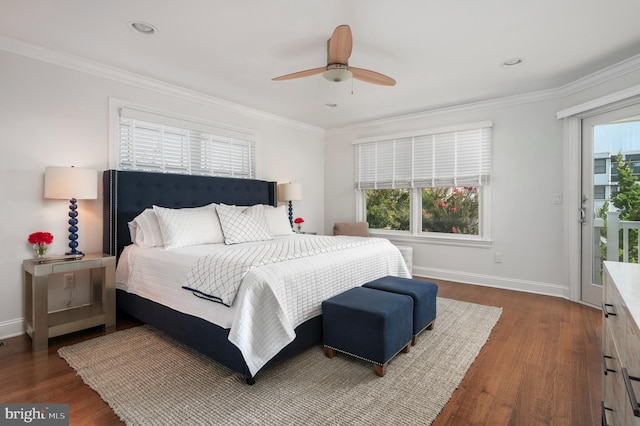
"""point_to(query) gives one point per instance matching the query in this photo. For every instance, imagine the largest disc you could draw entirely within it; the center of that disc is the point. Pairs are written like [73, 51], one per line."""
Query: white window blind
[439, 159]
[165, 144]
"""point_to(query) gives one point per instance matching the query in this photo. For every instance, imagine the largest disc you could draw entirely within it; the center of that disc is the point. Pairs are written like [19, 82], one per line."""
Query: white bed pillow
[243, 225]
[189, 226]
[278, 220]
[145, 230]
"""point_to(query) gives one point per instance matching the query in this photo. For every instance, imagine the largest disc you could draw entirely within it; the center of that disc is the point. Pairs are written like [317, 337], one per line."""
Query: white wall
[52, 115]
[530, 165]
[527, 171]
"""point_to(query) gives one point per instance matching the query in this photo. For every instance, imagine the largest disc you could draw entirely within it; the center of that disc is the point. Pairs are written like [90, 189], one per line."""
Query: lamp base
[291, 213]
[73, 229]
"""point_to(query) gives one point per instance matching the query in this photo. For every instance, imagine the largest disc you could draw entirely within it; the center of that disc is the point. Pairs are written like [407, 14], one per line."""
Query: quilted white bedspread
[218, 276]
[281, 296]
[275, 297]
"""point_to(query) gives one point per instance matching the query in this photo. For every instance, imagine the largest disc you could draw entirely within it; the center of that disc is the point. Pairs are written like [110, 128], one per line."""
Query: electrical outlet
[497, 257]
[69, 280]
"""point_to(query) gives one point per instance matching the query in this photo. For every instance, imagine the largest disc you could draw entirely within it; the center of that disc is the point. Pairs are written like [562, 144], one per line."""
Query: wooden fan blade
[340, 45]
[300, 74]
[371, 77]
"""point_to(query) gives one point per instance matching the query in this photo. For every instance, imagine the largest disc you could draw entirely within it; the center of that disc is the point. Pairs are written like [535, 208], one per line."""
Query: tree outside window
[450, 210]
[444, 210]
[389, 209]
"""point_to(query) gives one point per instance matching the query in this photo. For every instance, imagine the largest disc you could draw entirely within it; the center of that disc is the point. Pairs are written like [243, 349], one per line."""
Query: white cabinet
[621, 344]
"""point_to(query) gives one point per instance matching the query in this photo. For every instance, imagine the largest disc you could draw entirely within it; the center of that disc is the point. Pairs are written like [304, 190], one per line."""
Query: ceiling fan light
[337, 74]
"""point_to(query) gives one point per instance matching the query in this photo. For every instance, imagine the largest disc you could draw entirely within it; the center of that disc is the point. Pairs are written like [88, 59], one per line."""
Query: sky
[617, 137]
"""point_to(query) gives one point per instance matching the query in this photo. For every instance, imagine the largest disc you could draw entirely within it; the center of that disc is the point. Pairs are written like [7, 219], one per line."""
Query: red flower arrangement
[40, 238]
[298, 221]
[40, 241]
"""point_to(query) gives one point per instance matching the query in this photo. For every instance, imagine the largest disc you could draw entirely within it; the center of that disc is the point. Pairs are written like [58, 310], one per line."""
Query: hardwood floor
[541, 366]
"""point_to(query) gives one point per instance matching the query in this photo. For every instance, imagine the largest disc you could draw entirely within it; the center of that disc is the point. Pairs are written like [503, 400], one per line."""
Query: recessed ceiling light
[513, 62]
[330, 105]
[144, 28]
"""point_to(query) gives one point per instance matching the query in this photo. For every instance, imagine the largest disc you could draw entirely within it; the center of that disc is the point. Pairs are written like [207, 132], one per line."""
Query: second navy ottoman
[424, 296]
[369, 324]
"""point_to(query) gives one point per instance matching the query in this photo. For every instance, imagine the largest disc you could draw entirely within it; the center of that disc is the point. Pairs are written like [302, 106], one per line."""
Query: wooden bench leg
[414, 339]
[329, 353]
[380, 369]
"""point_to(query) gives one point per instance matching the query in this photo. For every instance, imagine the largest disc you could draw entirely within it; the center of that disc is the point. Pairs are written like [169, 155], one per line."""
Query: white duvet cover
[273, 299]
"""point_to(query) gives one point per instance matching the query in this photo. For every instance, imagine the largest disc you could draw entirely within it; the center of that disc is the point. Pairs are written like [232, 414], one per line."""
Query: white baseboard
[547, 289]
[11, 328]
[15, 327]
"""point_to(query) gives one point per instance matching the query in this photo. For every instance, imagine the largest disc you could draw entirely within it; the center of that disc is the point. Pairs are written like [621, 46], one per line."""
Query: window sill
[453, 240]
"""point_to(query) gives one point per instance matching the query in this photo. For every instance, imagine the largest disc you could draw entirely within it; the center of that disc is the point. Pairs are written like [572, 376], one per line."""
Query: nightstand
[41, 325]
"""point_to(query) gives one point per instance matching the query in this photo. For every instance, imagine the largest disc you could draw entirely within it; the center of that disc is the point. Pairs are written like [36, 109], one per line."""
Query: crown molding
[609, 99]
[76, 63]
[606, 74]
[599, 77]
[542, 95]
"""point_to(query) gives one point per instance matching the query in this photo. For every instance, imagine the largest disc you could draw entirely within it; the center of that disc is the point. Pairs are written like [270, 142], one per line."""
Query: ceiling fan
[337, 68]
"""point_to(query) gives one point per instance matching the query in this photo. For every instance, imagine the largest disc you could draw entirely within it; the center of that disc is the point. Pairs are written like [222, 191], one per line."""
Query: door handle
[583, 215]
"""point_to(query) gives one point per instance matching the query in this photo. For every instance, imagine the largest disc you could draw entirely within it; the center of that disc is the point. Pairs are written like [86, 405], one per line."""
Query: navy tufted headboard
[127, 193]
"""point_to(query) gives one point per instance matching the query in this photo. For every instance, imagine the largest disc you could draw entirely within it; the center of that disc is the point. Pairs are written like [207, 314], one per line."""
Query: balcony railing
[614, 225]
[612, 242]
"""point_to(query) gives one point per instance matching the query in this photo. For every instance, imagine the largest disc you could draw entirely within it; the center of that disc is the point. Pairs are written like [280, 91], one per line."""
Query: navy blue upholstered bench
[424, 296]
[369, 324]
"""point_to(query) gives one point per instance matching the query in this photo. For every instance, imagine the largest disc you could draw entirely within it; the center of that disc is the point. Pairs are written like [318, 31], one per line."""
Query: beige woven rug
[149, 379]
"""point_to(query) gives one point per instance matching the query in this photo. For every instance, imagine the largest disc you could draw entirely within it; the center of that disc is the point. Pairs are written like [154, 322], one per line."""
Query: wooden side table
[41, 325]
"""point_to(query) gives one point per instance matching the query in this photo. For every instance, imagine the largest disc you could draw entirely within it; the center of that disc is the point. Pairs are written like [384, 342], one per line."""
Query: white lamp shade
[290, 191]
[70, 182]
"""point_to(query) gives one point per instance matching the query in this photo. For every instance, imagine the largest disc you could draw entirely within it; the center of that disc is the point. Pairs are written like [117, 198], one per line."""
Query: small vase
[40, 250]
[299, 228]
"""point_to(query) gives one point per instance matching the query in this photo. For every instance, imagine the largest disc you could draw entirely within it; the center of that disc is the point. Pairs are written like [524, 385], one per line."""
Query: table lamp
[71, 183]
[290, 192]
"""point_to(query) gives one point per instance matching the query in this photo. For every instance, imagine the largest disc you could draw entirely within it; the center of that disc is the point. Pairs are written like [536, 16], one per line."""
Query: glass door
[607, 138]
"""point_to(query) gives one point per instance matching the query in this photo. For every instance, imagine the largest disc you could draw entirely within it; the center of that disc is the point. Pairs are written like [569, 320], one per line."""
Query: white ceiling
[441, 53]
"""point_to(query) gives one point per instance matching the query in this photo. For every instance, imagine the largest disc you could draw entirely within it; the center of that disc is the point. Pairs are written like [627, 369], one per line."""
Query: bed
[127, 194]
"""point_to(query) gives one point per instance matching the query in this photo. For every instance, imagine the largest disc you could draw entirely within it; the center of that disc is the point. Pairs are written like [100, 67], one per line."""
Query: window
[614, 169]
[451, 210]
[599, 192]
[634, 163]
[600, 166]
[431, 184]
[160, 143]
[389, 209]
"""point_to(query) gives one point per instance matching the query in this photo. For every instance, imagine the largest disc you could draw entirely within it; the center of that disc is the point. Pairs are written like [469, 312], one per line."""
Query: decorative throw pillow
[243, 225]
[145, 230]
[189, 227]
[278, 220]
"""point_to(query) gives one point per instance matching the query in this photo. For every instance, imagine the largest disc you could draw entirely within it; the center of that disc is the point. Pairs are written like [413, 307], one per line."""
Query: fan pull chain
[352, 86]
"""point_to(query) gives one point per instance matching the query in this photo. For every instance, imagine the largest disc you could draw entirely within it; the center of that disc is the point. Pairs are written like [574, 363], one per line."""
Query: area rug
[149, 379]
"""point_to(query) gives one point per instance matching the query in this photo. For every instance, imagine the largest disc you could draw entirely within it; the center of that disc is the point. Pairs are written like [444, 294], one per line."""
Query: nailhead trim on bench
[365, 359]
